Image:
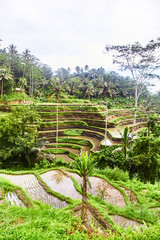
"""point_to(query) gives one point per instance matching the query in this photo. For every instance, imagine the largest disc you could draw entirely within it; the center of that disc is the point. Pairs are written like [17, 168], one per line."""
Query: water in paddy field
[13, 199]
[32, 187]
[125, 222]
[61, 183]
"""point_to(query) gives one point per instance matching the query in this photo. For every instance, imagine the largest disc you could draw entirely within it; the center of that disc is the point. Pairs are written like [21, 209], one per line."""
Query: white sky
[69, 33]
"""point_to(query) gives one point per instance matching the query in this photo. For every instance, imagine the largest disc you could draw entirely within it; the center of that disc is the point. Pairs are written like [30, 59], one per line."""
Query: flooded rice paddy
[32, 187]
[61, 183]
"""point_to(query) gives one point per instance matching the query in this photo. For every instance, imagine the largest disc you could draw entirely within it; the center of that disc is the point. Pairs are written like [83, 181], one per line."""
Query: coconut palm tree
[57, 89]
[107, 90]
[89, 91]
[84, 164]
[78, 69]
[13, 60]
[4, 76]
[12, 49]
[86, 68]
[26, 56]
[23, 82]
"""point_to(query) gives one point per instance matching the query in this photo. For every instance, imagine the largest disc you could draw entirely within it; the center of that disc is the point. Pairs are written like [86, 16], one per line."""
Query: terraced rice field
[99, 185]
[13, 199]
[91, 117]
[32, 187]
[125, 222]
[61, 183]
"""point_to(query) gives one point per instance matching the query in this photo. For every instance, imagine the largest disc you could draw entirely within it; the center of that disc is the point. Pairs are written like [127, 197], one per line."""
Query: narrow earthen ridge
[47, 189]
[1, 194]
[23, 198]
[131, 195]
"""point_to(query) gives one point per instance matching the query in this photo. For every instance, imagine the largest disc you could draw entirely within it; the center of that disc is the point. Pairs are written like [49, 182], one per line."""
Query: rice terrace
[79, 152]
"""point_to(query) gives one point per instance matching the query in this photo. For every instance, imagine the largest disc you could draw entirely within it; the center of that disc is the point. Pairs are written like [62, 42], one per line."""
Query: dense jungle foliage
[25, 71]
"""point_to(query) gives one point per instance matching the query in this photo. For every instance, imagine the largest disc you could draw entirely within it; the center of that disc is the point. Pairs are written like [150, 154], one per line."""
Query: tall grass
[115, 174]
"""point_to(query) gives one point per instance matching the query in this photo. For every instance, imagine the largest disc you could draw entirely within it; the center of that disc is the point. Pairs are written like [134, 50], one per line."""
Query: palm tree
[12, 49]
[78, 69]
[89, 91]
[26, 55]
[84, 164]
[56, 92]
[4, 76]
[107, 90]
[86, 68]
[23, 82]
[13, 59]
[127, 139]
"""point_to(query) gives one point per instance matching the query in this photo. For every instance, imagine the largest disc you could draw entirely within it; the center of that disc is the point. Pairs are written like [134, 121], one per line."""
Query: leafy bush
[17, 138]
[146, 158]
[105, 158]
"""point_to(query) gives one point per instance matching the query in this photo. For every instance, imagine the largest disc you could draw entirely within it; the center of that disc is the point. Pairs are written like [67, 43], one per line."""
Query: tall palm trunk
[24, 70]
[135, 112]
[135, 108]
[106, 124]
[2, 89]
[31, 83]
[57, 129]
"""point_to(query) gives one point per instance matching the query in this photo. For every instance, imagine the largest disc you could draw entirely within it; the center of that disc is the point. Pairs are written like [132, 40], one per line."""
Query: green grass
[15, 96]
[64, 123]
[73, 132]
[38, 224]
[60, 151]
[47, 223]
[75, 140]
[71, 108]
[115, 174]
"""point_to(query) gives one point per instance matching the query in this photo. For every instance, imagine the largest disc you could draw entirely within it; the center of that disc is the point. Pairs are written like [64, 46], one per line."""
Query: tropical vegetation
[66, 133]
